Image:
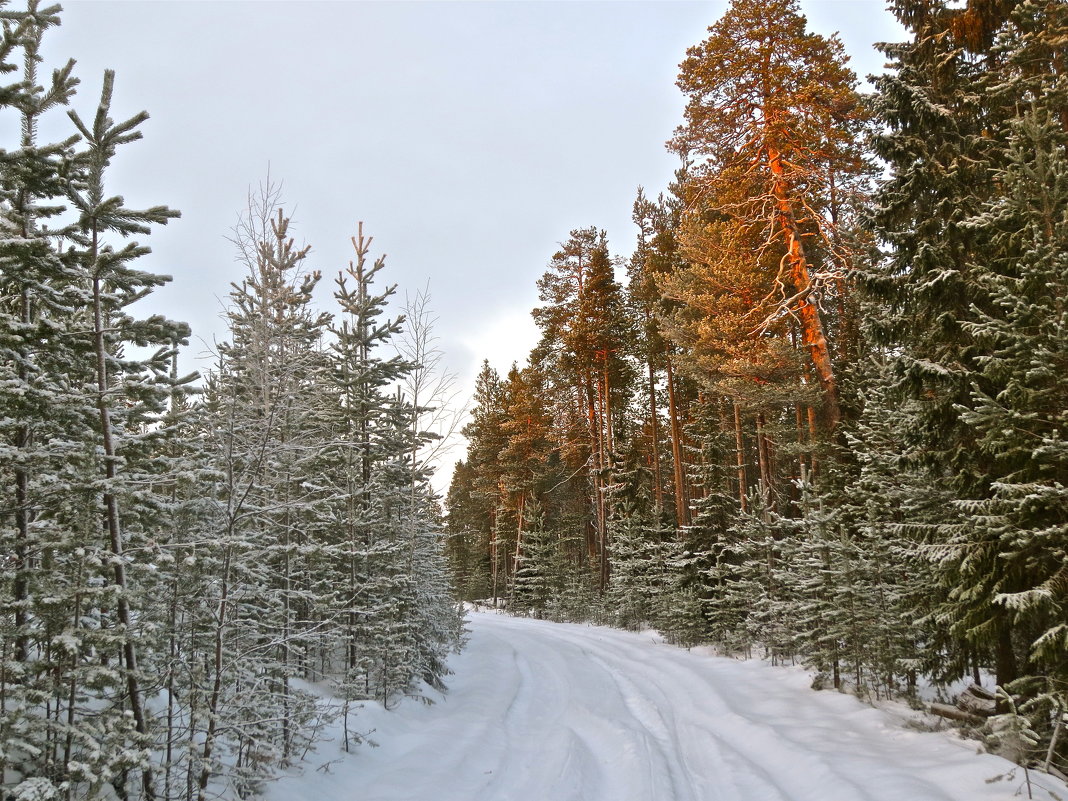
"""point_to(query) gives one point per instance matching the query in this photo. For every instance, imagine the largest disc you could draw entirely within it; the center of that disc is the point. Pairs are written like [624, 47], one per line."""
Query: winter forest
[814, 415]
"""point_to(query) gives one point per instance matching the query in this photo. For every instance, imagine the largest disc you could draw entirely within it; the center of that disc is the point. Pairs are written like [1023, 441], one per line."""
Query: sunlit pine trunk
[658, 481]
[493, 543]
[609, 451]
[813, 337]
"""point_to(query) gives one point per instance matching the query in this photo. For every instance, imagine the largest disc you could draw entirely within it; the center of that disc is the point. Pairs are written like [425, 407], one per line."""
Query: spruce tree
[128, 393]
[948, 109]
[41, 415]
[1011, 551]
[537, 578]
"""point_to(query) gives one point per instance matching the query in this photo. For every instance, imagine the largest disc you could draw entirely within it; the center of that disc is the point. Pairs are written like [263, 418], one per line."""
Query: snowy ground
[542, 711]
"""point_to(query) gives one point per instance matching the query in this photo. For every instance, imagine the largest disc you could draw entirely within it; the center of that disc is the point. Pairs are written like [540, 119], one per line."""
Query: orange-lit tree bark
[642, 297]
[772, 108]
[657, 258]
[527, 458]
[584, 336]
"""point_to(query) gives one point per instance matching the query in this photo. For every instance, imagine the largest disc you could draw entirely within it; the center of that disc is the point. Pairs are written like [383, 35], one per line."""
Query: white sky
[470, 137]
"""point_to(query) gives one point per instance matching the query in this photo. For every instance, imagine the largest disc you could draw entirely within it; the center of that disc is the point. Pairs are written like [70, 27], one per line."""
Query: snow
[540, 710]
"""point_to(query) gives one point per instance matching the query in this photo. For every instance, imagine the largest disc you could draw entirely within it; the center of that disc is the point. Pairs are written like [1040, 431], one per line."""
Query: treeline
[185, 568]
[824, 414]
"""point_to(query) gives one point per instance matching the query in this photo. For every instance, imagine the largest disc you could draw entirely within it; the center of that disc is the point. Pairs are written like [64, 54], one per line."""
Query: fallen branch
[951, 712]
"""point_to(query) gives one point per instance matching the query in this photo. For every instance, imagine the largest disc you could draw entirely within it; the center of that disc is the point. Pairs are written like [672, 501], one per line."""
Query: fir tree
[948, 109]
[1012, 550]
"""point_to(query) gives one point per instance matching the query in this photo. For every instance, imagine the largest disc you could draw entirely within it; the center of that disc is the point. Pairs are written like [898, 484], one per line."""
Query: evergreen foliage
[799, 445]
[1020, 401]
[174, 571]
[775, 437]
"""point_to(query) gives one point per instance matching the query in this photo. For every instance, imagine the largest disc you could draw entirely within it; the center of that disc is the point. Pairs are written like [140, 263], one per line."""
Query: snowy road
[550, 712]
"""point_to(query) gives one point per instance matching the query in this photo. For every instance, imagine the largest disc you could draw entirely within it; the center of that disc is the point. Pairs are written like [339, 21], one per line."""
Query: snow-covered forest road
[541, 711]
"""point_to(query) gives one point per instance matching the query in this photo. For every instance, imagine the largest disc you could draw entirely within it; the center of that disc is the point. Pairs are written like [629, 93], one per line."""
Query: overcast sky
[469, 137]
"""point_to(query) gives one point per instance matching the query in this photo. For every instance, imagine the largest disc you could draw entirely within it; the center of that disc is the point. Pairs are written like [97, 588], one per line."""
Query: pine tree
[584, 337]
[474, 506]
[398, 619]
[773, 110]
[468, 557]
[269, 376]
[657, 258]
[529, 461]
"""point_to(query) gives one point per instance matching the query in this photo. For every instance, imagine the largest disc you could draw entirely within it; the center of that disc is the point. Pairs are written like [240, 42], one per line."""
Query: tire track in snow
[656, 728]
[555, 712]
[741, 743]
[756, 781]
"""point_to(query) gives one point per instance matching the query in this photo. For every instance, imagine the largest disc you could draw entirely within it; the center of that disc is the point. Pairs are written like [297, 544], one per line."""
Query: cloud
[505, 336]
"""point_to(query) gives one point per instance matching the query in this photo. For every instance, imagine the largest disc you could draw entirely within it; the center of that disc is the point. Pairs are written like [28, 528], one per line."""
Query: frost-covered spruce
[39, 292]
[949, 110]
[87, 429]
[1018, 411]
[259, 598]
[537, 580]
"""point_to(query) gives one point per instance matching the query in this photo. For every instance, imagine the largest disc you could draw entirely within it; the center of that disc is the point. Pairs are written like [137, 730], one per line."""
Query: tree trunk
[764, 461]
[799, 422]
[596, 437]
[22, 547]
[812, 333]
[682, 510]
[24, 438]
[658, 481]
[1004, 657]
[739, 449]
[216, 686]
[608, 467]
[952, 713]
[494, 560]
[813, 433]
[111, 504]
[23, 515]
